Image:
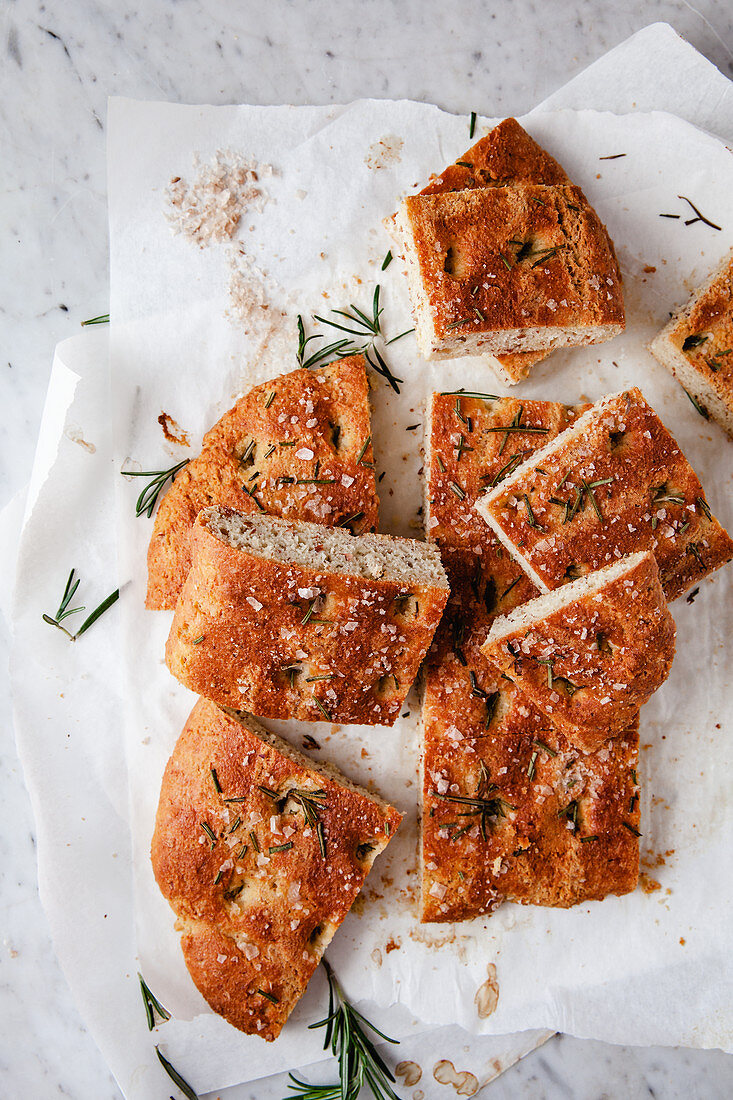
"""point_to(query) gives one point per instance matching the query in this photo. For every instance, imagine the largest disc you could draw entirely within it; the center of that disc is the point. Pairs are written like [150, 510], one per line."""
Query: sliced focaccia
[294, 620]
[511, 810]
[297, 446]
[261, 854]
[696, 346]
[590, 653]
[500, 816]
[614, 483]
[507, 154]
[518, 268]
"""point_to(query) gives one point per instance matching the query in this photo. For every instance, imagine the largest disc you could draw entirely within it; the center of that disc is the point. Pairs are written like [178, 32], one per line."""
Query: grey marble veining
[59, 61]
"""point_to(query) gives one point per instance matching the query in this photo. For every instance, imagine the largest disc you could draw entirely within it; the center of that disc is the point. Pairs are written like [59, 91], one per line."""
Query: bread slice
[474, 442]
[696, 346]
[261, 854]
[507, 154]
[614, 483]
[591, 653]
[510, 809]
[475, 721]
[293, 620]
[297, 446]
[508, 269]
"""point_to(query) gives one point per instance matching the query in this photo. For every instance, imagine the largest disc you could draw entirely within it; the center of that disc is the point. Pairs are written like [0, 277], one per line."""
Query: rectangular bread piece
[696, 346]
[297, 446]
[294, 620]
[482, 740]
[261, 853]
[589, 654]
[614, 483]
[507, 154]
[508, 269]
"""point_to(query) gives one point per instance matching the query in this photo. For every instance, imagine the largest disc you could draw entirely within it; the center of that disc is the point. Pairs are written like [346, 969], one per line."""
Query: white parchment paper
[68, 700]
[644, 968]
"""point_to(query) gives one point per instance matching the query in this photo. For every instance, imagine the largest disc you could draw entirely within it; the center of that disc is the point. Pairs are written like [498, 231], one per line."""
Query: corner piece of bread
[613, 483]
[696, 346]
[519, 268]
[510, 809]
[298, 446]
[294, 620]
[260, 853]
[507, 154]
[591, 653]
[560, 828]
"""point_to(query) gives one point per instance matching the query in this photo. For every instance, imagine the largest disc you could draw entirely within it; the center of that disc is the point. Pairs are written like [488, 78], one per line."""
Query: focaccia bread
[473, 442]
[613, 483]
[260, 853]
[297, 446]
[591, 653]
[510, 810]
[508, 269]
[479, 734]
[696, 346]
[294, 620]
[507, 154]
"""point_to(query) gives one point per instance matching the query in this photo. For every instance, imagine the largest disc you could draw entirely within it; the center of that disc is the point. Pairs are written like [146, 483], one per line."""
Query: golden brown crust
[325, 413]
[647, 494]
[469, 451]
[473, 715]
[290, 641]
[259, 902]
[506, 154]
[525, 256]
[591, 663]
[697, 345]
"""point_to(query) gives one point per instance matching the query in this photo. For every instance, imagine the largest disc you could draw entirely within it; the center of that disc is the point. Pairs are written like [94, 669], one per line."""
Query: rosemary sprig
[103, 319]
[178, 1081]
[311, 803]
[359, 1061]
[698, 216]
[337, 350]
[700, 408]
[472, 125]
[387, 260]
[64, 611]
[470, 393]
[149, 497]
[152, 1004]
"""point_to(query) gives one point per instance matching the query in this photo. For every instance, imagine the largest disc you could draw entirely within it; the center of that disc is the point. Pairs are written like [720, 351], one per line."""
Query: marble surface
[59, 62]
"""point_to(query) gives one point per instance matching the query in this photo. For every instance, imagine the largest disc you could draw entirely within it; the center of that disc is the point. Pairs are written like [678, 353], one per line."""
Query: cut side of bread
[298, 446]
[294, 620]
[613, 483]
[485, 743]
[509, 269]
[261, 854]
[592, 652]
[696, 346]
